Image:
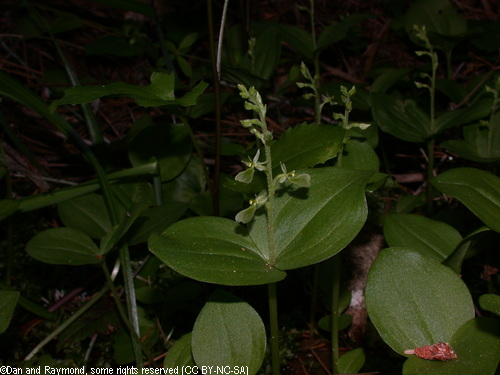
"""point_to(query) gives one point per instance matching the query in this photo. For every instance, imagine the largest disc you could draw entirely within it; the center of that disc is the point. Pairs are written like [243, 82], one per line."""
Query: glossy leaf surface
[228, 332]
[311, 224]
[64, 246]
[429, 237]
[414, 301]
[215, 250]
[478, 190]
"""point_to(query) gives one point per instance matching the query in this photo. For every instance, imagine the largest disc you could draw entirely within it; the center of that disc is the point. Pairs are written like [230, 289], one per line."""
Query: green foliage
[220, 339]
[161, 215]
[415, 301]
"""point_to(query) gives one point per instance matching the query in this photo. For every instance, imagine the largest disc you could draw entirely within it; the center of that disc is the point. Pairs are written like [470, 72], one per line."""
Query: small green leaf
[8, 301]
[413, 300]
[478, 190]
[490, 302]
[64, 246]
[179, 354]
[228, 332]
[351, 362]
[429, 237]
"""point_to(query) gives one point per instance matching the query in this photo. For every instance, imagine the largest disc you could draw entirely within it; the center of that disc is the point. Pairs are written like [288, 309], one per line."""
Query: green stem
[66, 324]
[217, 98]
[273, 318]
[430, 174]
[317, 97]
[335, 313]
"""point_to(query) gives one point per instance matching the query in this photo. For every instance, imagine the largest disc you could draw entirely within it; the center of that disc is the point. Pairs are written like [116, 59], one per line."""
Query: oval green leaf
[313, 224]
[429, 237]
[229, 332]
[478, 190]
[64, 246]
[214, 250]
[414, 301]
[351, 362]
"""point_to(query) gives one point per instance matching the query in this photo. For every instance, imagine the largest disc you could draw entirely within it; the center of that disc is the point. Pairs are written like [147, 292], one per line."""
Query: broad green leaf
[339, 30]
[160, 92]
[428, 237]
[298, 39]
[490, 302]
[214, 250]
[169, 144]
[64, 246]
[179, 354]
[306, 145]
[478, 190]
[402, 119]
[476, 343]
[267, 52]
[413, 300]
[8, 301]
[87, 214]
[228, 332]
[313, 224]
[438, 16]
[351, 362]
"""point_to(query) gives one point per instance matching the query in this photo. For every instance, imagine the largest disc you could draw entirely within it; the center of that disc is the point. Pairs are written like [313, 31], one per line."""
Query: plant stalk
[273, 319]
[335, 313]
[217, 99]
